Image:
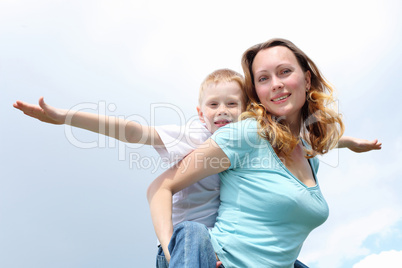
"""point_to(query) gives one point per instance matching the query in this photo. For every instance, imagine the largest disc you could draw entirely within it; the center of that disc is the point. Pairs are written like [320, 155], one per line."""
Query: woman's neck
[294, 127]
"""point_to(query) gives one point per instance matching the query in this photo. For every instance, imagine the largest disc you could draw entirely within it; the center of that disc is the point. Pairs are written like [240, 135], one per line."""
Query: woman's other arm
[209, 159]
[358, 145]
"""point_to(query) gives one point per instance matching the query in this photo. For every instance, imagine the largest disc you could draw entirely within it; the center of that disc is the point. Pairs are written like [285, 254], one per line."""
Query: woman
[270, 197]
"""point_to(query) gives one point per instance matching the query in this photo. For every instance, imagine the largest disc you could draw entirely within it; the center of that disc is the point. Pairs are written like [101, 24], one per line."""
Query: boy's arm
[358, 145]
[210, 159]
[123, 130]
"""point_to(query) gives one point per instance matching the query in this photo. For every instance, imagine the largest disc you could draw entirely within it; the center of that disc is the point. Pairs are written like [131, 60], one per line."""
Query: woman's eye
[262, 79]
[286, 71]
[232, 103]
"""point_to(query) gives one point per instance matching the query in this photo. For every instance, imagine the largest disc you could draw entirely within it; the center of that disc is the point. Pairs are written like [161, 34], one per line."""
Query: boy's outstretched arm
[358, 145]
[123, 130]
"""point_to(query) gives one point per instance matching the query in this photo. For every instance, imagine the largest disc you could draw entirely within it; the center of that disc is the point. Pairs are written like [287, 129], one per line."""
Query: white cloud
[387, 259]
[363, 195]
[345, 241]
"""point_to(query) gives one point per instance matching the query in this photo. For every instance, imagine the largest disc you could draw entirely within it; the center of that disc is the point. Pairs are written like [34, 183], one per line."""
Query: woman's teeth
[281, 98]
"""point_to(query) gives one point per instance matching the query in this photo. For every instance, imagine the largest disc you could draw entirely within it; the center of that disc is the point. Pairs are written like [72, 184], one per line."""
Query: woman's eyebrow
[276, 67]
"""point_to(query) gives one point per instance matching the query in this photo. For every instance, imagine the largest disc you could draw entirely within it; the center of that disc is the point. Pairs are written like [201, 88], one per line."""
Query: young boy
[221, 101]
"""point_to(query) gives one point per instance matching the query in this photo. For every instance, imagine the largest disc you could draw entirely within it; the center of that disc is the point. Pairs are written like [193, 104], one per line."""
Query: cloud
[383, 259]
[346, 241]
[364, 201]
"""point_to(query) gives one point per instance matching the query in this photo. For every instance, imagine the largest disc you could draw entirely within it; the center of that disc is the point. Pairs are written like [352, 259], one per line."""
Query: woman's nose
[276, 83]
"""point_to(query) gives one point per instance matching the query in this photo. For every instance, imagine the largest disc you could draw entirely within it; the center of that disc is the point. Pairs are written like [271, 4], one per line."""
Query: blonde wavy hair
[321, 125]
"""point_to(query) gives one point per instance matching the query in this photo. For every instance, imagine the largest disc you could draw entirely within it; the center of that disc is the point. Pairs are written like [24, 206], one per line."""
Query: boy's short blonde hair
[222, 76]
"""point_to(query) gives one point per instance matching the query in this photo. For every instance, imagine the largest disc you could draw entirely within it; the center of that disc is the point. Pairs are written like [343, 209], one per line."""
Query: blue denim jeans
[161, 261]
[299, 264]
[190, 246]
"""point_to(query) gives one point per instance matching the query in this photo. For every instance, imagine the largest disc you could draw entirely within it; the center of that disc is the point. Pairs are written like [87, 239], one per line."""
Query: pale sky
[70, 198]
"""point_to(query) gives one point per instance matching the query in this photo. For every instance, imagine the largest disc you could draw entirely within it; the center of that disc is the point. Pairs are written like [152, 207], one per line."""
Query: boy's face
[222, 103]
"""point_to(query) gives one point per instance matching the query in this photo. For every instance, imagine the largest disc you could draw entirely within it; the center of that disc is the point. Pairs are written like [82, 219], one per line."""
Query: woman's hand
[359, 145]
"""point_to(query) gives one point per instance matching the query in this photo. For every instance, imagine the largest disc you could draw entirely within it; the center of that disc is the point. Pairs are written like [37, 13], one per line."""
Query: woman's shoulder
[242, 124]
[244, 127]
[243, 130]
[314, 161]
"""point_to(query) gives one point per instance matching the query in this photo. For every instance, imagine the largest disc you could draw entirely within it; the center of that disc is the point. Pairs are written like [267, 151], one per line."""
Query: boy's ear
[200, 114]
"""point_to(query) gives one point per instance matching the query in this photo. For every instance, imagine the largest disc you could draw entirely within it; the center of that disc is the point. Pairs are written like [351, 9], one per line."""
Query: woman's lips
[281, 98]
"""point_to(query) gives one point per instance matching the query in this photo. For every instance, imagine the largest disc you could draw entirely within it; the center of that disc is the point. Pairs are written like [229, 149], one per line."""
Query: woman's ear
[307, 76]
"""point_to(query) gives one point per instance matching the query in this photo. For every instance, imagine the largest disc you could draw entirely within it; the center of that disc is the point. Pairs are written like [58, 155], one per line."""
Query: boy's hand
[42, 112]
[359, 145]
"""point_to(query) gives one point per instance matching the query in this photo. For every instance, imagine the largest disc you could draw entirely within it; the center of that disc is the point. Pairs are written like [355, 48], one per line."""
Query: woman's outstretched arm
[358, 145]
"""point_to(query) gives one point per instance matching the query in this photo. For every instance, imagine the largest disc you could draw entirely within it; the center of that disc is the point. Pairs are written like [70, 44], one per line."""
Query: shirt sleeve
[179, 141]
[238, 140]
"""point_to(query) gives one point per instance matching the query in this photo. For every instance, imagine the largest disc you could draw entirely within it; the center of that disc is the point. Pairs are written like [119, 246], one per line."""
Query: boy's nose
[222, 110]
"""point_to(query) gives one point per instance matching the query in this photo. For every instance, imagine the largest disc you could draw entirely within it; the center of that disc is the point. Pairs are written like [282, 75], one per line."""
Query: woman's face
[280, 82]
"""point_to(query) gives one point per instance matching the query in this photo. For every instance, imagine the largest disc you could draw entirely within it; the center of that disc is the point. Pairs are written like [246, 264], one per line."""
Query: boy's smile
[222, 103]
[222, 122]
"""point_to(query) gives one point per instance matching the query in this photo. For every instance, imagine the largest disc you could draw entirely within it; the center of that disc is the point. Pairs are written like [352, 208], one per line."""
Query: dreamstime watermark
[186, 131]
